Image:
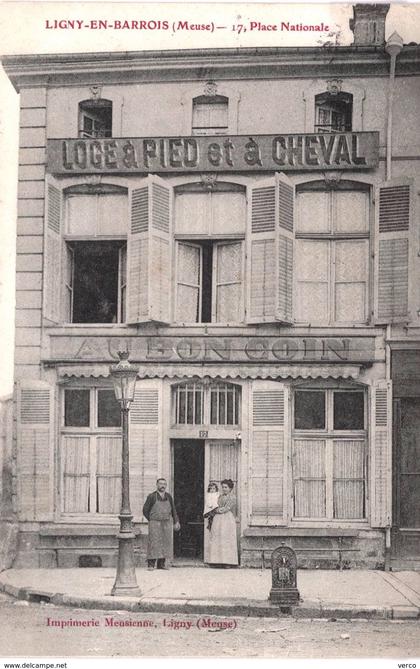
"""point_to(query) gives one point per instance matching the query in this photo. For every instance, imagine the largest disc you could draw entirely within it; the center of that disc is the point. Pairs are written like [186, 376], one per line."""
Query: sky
[24, 30]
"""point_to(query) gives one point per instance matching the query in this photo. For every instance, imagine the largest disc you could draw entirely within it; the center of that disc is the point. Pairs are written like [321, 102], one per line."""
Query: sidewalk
[233, 592]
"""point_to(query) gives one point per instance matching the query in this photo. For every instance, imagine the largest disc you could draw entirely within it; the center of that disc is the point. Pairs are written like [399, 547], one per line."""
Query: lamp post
[124, 377]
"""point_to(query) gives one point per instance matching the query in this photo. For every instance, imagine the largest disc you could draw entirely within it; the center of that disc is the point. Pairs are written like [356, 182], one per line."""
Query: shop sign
[235, 153]
[258, 349]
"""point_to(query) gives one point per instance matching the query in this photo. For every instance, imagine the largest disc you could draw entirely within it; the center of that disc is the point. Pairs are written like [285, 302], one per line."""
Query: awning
[244, 371]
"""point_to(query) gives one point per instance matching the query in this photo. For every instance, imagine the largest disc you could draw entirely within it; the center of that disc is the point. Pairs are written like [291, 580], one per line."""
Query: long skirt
[160, 540]
[222, 545]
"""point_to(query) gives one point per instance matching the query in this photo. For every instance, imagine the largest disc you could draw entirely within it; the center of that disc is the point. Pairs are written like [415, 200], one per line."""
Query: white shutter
[35, 451]
[53, 254]
[286, 205]
[144, 444]
[392, 251]
[270, 251]
[381, 454]
[269, 424]
[149, 252]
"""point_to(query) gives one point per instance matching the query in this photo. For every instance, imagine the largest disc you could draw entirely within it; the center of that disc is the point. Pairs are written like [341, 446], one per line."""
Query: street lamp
[124, 377]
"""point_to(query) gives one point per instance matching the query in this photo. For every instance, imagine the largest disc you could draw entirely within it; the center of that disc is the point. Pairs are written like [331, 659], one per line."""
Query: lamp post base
[125, 582]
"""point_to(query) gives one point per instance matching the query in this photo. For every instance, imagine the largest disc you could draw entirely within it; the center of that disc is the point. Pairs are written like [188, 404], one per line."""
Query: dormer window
[333, 112]
[95, 118]
[210, 115]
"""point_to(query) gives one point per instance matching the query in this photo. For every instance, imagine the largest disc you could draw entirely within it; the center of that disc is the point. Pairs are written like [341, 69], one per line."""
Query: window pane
[112, 214]
[82, 214]
[312, 273]
[109, 414]
[351, 262]
[309, 486]
[75, 466]
[313, 212]
[349, 483]
[348, 411]
[96, 267]
[310, 410]
[108, 477]
[228, 212]
[355, 202]
[76, 407]
[192, 213]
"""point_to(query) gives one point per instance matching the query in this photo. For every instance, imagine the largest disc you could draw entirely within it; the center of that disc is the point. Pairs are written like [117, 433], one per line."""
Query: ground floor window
[329, 452]
[90, 452]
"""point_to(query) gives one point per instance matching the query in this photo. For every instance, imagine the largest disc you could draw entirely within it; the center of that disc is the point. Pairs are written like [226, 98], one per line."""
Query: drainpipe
[393, 48]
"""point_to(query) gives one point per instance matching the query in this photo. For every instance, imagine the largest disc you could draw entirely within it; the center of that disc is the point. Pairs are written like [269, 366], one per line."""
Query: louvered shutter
[381, 454]
[149, 252]
[392, 251]
[35, 451]
[286, 207]
[270, 251]
[269, 420]
[53, 254]
[144, 444]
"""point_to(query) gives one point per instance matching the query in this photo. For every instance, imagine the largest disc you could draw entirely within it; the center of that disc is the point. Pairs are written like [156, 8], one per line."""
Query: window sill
[277, 531]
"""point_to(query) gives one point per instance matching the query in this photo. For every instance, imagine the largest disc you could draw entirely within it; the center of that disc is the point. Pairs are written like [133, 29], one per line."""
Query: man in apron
[159, 509]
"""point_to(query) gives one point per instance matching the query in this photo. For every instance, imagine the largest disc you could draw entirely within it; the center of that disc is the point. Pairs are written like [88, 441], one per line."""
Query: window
[95, 118]
[210, 404]
[209, 282]
[91, 451]
[332, 256]
[329, 454]
[209, 265]
[210, 115]
[333, 113]
[95, 264]
[95, 286]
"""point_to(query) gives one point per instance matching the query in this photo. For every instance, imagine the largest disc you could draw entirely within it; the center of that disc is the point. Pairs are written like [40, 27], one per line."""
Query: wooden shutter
[149, 252]
[53, 255]
[286, 205]
[144, 444]
[381, 454]
[35, 451]
[270, 251]
[393, 232]
[269, 424]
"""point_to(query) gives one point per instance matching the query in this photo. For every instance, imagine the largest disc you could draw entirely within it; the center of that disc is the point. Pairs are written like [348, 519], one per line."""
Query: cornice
[191, 65]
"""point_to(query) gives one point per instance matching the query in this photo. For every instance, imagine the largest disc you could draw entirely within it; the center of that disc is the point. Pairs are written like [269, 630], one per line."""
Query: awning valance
[150, 370]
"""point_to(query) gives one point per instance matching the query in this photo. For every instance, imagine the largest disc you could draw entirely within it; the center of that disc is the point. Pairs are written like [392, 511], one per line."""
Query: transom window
[206, 404]
[90, 451]
[332, 255]
[329, 454]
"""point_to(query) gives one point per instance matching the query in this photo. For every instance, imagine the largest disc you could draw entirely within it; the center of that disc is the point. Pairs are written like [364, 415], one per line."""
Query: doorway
[406, 460]
[188, 488]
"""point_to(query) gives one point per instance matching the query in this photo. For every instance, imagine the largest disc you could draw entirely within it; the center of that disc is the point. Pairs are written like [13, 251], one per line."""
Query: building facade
[243, 222]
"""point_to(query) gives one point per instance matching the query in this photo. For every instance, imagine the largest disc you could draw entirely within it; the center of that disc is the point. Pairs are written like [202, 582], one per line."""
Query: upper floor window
[95, 118]
[332, 254]
[209, 267]
[210, 115]
[333, 112]
[95, 267]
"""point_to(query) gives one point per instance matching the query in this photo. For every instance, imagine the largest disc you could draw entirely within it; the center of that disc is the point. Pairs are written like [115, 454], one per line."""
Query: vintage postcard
[210, 332]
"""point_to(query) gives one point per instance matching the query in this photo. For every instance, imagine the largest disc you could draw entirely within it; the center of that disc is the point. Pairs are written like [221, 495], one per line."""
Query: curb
[240, 607]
